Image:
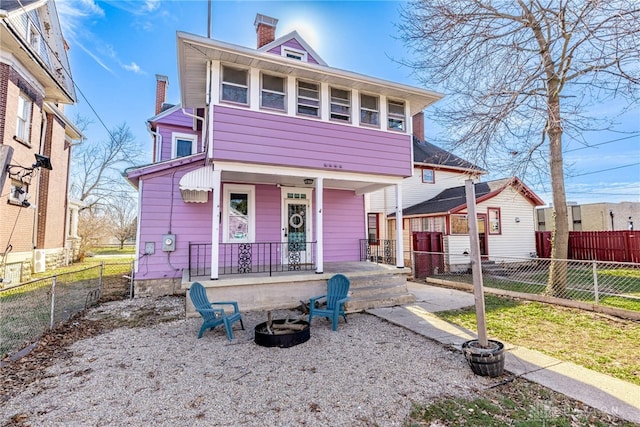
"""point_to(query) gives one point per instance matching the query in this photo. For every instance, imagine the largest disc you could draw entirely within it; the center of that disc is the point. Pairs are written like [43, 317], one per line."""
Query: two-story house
[264, 167]
[36, 138]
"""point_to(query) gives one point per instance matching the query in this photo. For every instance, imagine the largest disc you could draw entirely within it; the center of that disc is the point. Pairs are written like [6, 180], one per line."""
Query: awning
[195, 185]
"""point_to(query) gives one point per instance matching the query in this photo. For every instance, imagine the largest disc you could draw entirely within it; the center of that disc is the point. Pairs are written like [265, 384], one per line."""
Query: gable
[295, 43]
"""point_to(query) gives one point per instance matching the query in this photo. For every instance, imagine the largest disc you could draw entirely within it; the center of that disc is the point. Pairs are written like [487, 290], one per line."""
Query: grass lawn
[602, 343]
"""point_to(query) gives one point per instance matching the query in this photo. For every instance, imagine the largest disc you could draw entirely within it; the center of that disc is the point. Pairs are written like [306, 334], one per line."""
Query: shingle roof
[424, 152]
[452, 198]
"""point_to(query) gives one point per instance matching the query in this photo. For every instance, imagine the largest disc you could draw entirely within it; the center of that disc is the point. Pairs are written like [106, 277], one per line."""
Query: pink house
[261, 174]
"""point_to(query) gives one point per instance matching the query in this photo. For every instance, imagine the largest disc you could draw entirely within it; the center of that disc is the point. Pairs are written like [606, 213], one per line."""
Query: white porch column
[215, 223]
[319, 224]
[399, 239]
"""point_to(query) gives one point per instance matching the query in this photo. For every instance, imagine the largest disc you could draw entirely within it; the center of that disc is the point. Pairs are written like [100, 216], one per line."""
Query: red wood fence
[426, 264]
[619, 246]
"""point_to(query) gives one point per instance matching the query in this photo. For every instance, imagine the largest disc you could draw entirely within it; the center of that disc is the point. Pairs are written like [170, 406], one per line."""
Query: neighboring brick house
[35, 84]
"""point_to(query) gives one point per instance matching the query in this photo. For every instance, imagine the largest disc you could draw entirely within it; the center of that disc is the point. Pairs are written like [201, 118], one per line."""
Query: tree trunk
[557, 284]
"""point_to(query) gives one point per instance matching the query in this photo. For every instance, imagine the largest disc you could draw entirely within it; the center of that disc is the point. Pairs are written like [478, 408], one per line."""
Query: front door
[296, 227]
[482, 234]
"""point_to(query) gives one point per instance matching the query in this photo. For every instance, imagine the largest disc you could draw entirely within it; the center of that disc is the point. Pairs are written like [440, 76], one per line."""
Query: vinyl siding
[343, 225]
[254, 137]
[293, 43]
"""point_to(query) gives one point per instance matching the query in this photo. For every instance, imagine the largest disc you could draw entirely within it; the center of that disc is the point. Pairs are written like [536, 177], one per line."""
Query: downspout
[157, 146]
[197, 118]
[43, 135]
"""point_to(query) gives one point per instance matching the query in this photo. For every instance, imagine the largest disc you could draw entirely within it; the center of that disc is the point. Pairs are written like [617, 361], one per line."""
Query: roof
[196, 52]
[426, 153]
[454, 199]
[293, 35]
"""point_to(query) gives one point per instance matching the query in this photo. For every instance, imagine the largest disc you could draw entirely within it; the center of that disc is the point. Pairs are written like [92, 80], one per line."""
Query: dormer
[291, 46]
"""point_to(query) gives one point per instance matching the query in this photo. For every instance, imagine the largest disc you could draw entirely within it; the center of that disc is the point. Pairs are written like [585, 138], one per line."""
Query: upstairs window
[290, 53]
[23, 125]
[272, 94]
[308, 99]
[33, 37]
[369, 110]
[428, 176]
[340, 104]
[235, 86]
[183, 145]
[396, 117]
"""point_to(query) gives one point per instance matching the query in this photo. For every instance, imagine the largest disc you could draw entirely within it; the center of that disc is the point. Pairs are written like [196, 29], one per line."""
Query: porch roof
[429, 154]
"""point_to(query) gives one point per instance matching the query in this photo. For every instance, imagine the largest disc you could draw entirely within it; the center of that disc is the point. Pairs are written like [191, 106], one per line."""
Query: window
[272, 93]
[459, 224]
[235, 86]
[291, 53]
[369, 110]
[183, 145]
[428, 176]
[23, 125]
[33, 38]
[577, 218]
[541, 219]
[340, 104]
[373, 231]
[308, 99]
[238, 220]
[395, 115]
[495, 227]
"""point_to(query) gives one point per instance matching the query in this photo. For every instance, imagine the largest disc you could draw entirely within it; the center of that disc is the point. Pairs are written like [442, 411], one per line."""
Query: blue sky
[117, 48]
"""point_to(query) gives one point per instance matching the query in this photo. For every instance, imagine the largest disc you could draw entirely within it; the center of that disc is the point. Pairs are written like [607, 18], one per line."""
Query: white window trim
[401, 117]
[303, 55]
[284, 93]
[379, 102]
[247, 87]
[299, 97]
[175, 136]
[251, 212]
[348, 104]
[33, 37]
[27, 105]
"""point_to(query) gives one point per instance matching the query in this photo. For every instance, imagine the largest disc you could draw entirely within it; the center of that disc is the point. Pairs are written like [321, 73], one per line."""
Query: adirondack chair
[337, 290]
[212, 317]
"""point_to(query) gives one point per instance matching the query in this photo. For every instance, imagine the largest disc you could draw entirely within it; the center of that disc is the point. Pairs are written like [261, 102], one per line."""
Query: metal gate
[428, 253]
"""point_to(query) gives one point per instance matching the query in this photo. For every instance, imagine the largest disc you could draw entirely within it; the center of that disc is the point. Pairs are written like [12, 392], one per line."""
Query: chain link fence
[29, 310]
[612, 284]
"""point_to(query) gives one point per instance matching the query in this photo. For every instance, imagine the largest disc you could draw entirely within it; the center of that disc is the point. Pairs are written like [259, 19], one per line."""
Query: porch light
[308, 181]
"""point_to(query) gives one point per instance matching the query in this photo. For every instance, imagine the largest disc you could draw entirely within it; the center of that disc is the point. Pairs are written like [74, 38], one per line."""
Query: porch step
[376, 291]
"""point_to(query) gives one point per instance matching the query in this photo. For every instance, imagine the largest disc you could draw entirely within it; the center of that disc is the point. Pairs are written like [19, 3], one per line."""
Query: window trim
[175, 136]
[490, 222]
[284, 93]
[349, 105]
[377, 111]
[298, 96]
[223, 83]
[433, 175]
[376, 241]
[33, 37]
[393, 116]
[285, 50]
[466, 216]
[251, 212]
[27, 111]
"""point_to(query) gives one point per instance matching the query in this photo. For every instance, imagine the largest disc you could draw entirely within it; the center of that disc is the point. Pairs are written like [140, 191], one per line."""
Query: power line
[605, 170]
[602, 143]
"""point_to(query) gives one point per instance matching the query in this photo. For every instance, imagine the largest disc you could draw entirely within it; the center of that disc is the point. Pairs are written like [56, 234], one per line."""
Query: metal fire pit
[283, 340]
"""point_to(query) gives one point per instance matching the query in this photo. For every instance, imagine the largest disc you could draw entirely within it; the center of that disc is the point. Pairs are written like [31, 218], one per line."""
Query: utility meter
[169, 243]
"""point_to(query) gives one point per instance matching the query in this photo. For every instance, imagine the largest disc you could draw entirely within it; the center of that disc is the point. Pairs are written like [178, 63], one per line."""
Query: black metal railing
[247, 258]
[380, 251]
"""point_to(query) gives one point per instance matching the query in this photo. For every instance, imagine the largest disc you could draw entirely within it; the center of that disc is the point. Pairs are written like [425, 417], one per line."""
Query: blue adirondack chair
[212, 317]
[337, 290]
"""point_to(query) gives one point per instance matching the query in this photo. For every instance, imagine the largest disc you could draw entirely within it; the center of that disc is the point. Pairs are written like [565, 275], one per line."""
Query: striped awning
[195, 185]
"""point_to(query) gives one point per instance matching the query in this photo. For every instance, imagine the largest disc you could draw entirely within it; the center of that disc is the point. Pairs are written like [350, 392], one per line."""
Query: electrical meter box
[169, 243]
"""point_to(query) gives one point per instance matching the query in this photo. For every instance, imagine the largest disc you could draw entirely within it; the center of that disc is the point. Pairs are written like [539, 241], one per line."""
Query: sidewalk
[597, 390]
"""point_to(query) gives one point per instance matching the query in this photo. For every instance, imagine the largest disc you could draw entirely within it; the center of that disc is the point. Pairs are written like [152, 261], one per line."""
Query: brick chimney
[161, 91]
[265, 29]
[418, 126]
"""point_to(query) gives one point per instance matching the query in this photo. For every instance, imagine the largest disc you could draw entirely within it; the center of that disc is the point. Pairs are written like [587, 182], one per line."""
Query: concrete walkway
[608, 394]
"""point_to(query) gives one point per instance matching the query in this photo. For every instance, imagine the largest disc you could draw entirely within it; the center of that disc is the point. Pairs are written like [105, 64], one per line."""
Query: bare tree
[97, 167]
[93, 229]
[122, 216]
[521, 74]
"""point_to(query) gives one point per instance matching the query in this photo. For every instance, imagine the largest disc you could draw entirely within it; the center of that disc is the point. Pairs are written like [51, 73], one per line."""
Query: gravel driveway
[369, 372]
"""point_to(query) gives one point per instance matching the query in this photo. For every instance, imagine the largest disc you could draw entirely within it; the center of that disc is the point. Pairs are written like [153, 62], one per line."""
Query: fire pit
[282, 333]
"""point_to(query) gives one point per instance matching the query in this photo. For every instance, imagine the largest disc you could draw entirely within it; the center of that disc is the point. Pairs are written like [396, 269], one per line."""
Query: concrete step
[367, 291]
[377, 301]
[377, 280]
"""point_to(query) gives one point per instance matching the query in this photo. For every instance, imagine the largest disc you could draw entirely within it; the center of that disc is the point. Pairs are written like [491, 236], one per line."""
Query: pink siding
[179, 123]
[294, 44]
[343, 225]
[255, 137]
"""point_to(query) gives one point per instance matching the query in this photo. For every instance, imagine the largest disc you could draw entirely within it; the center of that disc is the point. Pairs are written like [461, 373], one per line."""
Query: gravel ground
[369, 372]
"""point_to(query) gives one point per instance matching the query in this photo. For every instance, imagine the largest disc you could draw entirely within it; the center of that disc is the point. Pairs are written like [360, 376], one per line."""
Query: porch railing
[248, 258]
[381, 251]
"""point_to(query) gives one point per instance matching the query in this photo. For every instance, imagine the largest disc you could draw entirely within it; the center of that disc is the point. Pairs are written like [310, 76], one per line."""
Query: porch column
[399, 239]
[215, 224]
[319, 224]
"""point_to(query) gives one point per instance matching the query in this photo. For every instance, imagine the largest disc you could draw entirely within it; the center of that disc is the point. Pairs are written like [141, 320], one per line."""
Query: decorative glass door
[297, 230]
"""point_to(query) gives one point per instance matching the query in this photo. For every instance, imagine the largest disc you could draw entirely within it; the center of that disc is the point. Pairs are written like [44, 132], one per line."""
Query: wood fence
[618, 246]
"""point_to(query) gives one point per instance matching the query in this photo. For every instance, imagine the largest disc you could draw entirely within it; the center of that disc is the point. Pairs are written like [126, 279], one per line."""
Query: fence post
[53, 301]
[595, 281]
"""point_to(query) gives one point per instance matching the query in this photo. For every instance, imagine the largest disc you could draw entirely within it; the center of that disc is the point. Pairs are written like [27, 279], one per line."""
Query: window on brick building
[23, 125]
